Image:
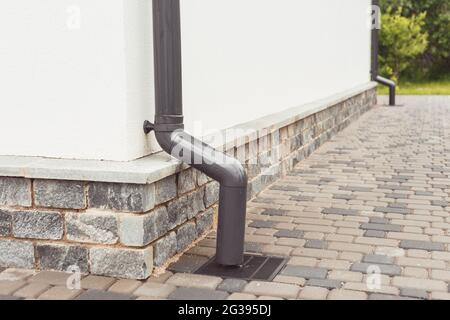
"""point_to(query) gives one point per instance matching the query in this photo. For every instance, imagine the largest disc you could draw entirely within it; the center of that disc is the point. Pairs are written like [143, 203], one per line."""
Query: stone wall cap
[158, 166]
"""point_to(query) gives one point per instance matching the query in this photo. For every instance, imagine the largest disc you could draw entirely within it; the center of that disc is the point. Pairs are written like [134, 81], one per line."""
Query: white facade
[77, 76]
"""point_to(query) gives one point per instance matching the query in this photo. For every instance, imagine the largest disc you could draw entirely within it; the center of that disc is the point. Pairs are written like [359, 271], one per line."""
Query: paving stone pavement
[367, 216]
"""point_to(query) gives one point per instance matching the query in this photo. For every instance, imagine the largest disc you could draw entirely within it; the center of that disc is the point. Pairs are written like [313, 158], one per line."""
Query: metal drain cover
[254, 268]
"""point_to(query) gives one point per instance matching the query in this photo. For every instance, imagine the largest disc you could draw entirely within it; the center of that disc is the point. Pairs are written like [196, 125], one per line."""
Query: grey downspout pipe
[375, 63]
[170, 134]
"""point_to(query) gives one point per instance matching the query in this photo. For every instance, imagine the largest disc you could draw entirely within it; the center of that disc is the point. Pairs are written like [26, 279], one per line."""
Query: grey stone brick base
[125, 230]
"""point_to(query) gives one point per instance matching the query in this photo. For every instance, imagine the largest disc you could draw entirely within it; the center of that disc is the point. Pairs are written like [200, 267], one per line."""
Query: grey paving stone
[378, 296]
[197, 294]
[122, 197]
[38, 225]
[292, 234]
[440, 203]
[343, 197]
[381, 227]
[188, 264]
[274, 212]
[414, 293]
[378, 259]
[284, 188]
[398, 205]
[391, 270]
[301, 198]
[422, 245]
[394, 187]
[232, 285]
[6, 298]
[59, 194]
[393, 210]
[396, 196]
[264, 200]
[379, 220]
[338, 211]
[324, 283]
[375, 234]
[316, 244]
[423, 193]
[305, 272]
[93, 294]
[252, 247]
[262, 224]
[15, 192]
[61, 257]
[355, 189]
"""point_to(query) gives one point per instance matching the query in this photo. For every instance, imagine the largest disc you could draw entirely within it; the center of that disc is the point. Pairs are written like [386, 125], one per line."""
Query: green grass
[437, 87]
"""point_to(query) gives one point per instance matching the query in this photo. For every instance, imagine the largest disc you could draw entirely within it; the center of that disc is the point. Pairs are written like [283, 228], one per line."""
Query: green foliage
[435, 61]
[402, 39]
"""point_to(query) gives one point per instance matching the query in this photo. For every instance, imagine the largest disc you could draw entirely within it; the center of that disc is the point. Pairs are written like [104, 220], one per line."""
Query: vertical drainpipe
[170, 134]
[375, 65]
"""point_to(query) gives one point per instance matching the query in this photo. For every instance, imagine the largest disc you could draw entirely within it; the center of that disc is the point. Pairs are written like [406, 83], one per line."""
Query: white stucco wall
[75, 88]
[83, 91]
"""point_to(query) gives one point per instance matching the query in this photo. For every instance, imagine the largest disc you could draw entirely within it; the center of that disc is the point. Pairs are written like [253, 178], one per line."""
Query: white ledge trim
[157, 166]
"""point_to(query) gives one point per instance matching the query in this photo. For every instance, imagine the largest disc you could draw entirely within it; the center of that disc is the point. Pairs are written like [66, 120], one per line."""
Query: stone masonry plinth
[126, 229]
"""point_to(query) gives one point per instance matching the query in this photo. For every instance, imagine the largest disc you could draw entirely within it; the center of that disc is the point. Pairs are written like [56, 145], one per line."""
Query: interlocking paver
[343, 294]
[32, 290]
[370, 287]
[96, 282]
[194, 281]
[316, 244]
[378, 296]
[378, 259]
[241, 296]
[381, 227]
[390, 270]
[16, 274]
[339, 211]
[125, 286]
[51, 277]
[425, 284]
[153, 289]
[8, 287]
[324, 283]
[60, 293]
[282, 290]
[188, 263]
[305, 272]
[422, 245]
[197, 294]
[414, 293]
[375, 234]
[313, 293]
[93, 294]
[232, 285]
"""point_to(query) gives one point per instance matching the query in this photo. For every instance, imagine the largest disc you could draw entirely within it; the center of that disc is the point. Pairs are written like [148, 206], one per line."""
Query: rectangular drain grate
[254, 268]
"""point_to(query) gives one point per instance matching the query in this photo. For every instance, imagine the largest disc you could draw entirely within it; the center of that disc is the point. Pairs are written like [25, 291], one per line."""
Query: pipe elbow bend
[164, 140]
[237, 176]
[385, 81]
